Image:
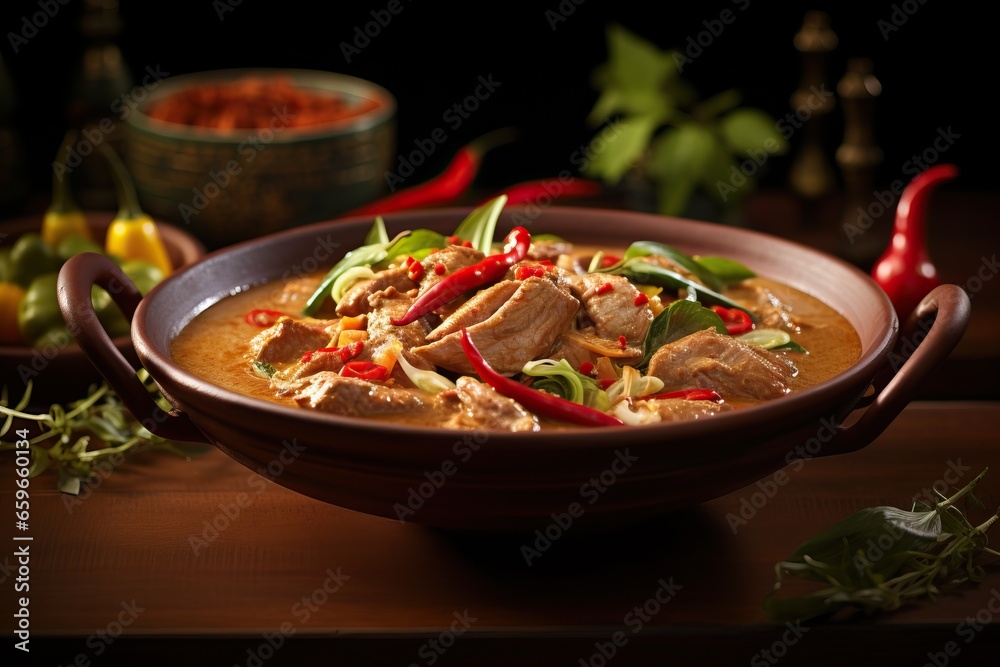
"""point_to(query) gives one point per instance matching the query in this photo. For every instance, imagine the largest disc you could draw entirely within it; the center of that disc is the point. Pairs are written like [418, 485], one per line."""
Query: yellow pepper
[63, 218]
[132, 234]
[11, 296]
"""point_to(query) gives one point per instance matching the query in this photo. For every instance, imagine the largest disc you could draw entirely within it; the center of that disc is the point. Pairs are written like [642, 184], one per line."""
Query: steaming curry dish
[664, 337]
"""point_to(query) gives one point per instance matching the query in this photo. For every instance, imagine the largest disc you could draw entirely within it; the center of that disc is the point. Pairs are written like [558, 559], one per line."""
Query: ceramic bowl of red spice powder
[231, 155]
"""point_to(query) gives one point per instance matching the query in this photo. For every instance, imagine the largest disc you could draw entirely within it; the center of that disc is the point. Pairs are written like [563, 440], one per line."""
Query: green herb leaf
[624, 150]
[366, 255]
[728, 271]
[646, 273]
[749, 131]
[686, 262]
[264, 369]
[417, 244]
[377, 234]
[682, 318]
[480, 225]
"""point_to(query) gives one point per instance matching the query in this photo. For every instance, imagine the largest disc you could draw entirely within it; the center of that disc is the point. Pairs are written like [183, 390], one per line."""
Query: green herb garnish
[682, 318]
[921, 553]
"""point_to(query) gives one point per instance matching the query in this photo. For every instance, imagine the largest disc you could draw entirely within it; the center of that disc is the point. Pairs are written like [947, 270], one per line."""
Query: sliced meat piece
[524, 328]
[356, 300]
[679, 409]
[477, 309]
[710, 360]
[772, 312]
[317, 363]
[612, 310]
[453, 258]
[482, 407]
[381, 332]
[287, 340]
[549, 249]
[354, 397]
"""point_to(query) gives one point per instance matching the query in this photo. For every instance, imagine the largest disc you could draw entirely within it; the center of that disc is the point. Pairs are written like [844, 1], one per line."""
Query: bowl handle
[931, 332]
[77, 276]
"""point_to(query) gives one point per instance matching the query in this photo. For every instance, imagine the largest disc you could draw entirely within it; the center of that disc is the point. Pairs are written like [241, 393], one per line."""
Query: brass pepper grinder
[864, 212]
[99, 87]
[812, 175]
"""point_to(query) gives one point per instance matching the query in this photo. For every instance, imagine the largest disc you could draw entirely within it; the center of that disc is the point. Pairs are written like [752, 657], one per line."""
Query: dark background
[937, 70]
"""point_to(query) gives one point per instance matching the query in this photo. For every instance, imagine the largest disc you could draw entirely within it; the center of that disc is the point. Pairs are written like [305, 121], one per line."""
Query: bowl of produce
[477, 370]
[36, 346]
[235, 154]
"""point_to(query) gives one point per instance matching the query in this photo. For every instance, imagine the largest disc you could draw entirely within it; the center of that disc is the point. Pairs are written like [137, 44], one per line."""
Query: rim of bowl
[805, 402]
[316, 79]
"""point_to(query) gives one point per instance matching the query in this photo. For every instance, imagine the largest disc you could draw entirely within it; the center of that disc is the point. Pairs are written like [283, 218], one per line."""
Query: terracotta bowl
[502, 481]
[234, 185]
[65, 373]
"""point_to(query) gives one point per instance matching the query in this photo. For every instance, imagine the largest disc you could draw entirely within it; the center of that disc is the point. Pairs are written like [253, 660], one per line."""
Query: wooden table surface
[162, 556]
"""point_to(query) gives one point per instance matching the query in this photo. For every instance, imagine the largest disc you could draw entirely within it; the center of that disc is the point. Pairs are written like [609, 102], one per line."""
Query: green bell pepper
[31, 257]
[39, 314]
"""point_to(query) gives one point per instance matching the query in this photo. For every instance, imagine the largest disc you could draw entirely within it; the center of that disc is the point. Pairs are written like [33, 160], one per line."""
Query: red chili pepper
[489, 270]
[541, 402]
[525, 272]
[736, 321]
[905, 271]
[454, 240]
[606, 382]
[446, 186]
[262, 317]
[604, 289]
[587, 368]
[351, 350]
[365, 370]
[609, 261]
[416, 272]
[640, 300]
[439, 268]
[622, 342]
[690, 395]
[541, 192]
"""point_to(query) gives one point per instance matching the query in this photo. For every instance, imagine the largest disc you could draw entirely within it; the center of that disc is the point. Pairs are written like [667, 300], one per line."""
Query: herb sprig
[68, 433]
[929, 550]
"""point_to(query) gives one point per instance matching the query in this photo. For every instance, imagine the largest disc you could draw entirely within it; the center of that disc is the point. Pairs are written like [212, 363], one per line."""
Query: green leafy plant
[920, 553]
[81, 437]
[668, 135]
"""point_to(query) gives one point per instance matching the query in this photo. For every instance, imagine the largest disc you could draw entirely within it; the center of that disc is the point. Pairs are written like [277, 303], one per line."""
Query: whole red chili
[905, 271]
[541, 192]
[489, 270]
[365, 370]
[548, 405]
[262, 317]
[446, 186]
[736, 321]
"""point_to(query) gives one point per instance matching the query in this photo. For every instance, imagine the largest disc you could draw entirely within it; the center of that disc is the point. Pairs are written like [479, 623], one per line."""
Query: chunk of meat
[679, 409]
[354, 397]
[524, 328]
[316, 363]
[357, 299]
[710, 360]
[381, 332]
[772, 312]
[549, 249]
[477, 309]
[452, 258]
[482, 407]
[613, 309]
[287, 340]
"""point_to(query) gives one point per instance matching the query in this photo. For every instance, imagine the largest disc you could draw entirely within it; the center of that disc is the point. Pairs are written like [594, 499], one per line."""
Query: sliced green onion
[428, 381]
[766, 338]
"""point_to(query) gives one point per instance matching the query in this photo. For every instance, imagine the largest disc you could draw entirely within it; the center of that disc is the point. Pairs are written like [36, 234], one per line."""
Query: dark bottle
[102, 78]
